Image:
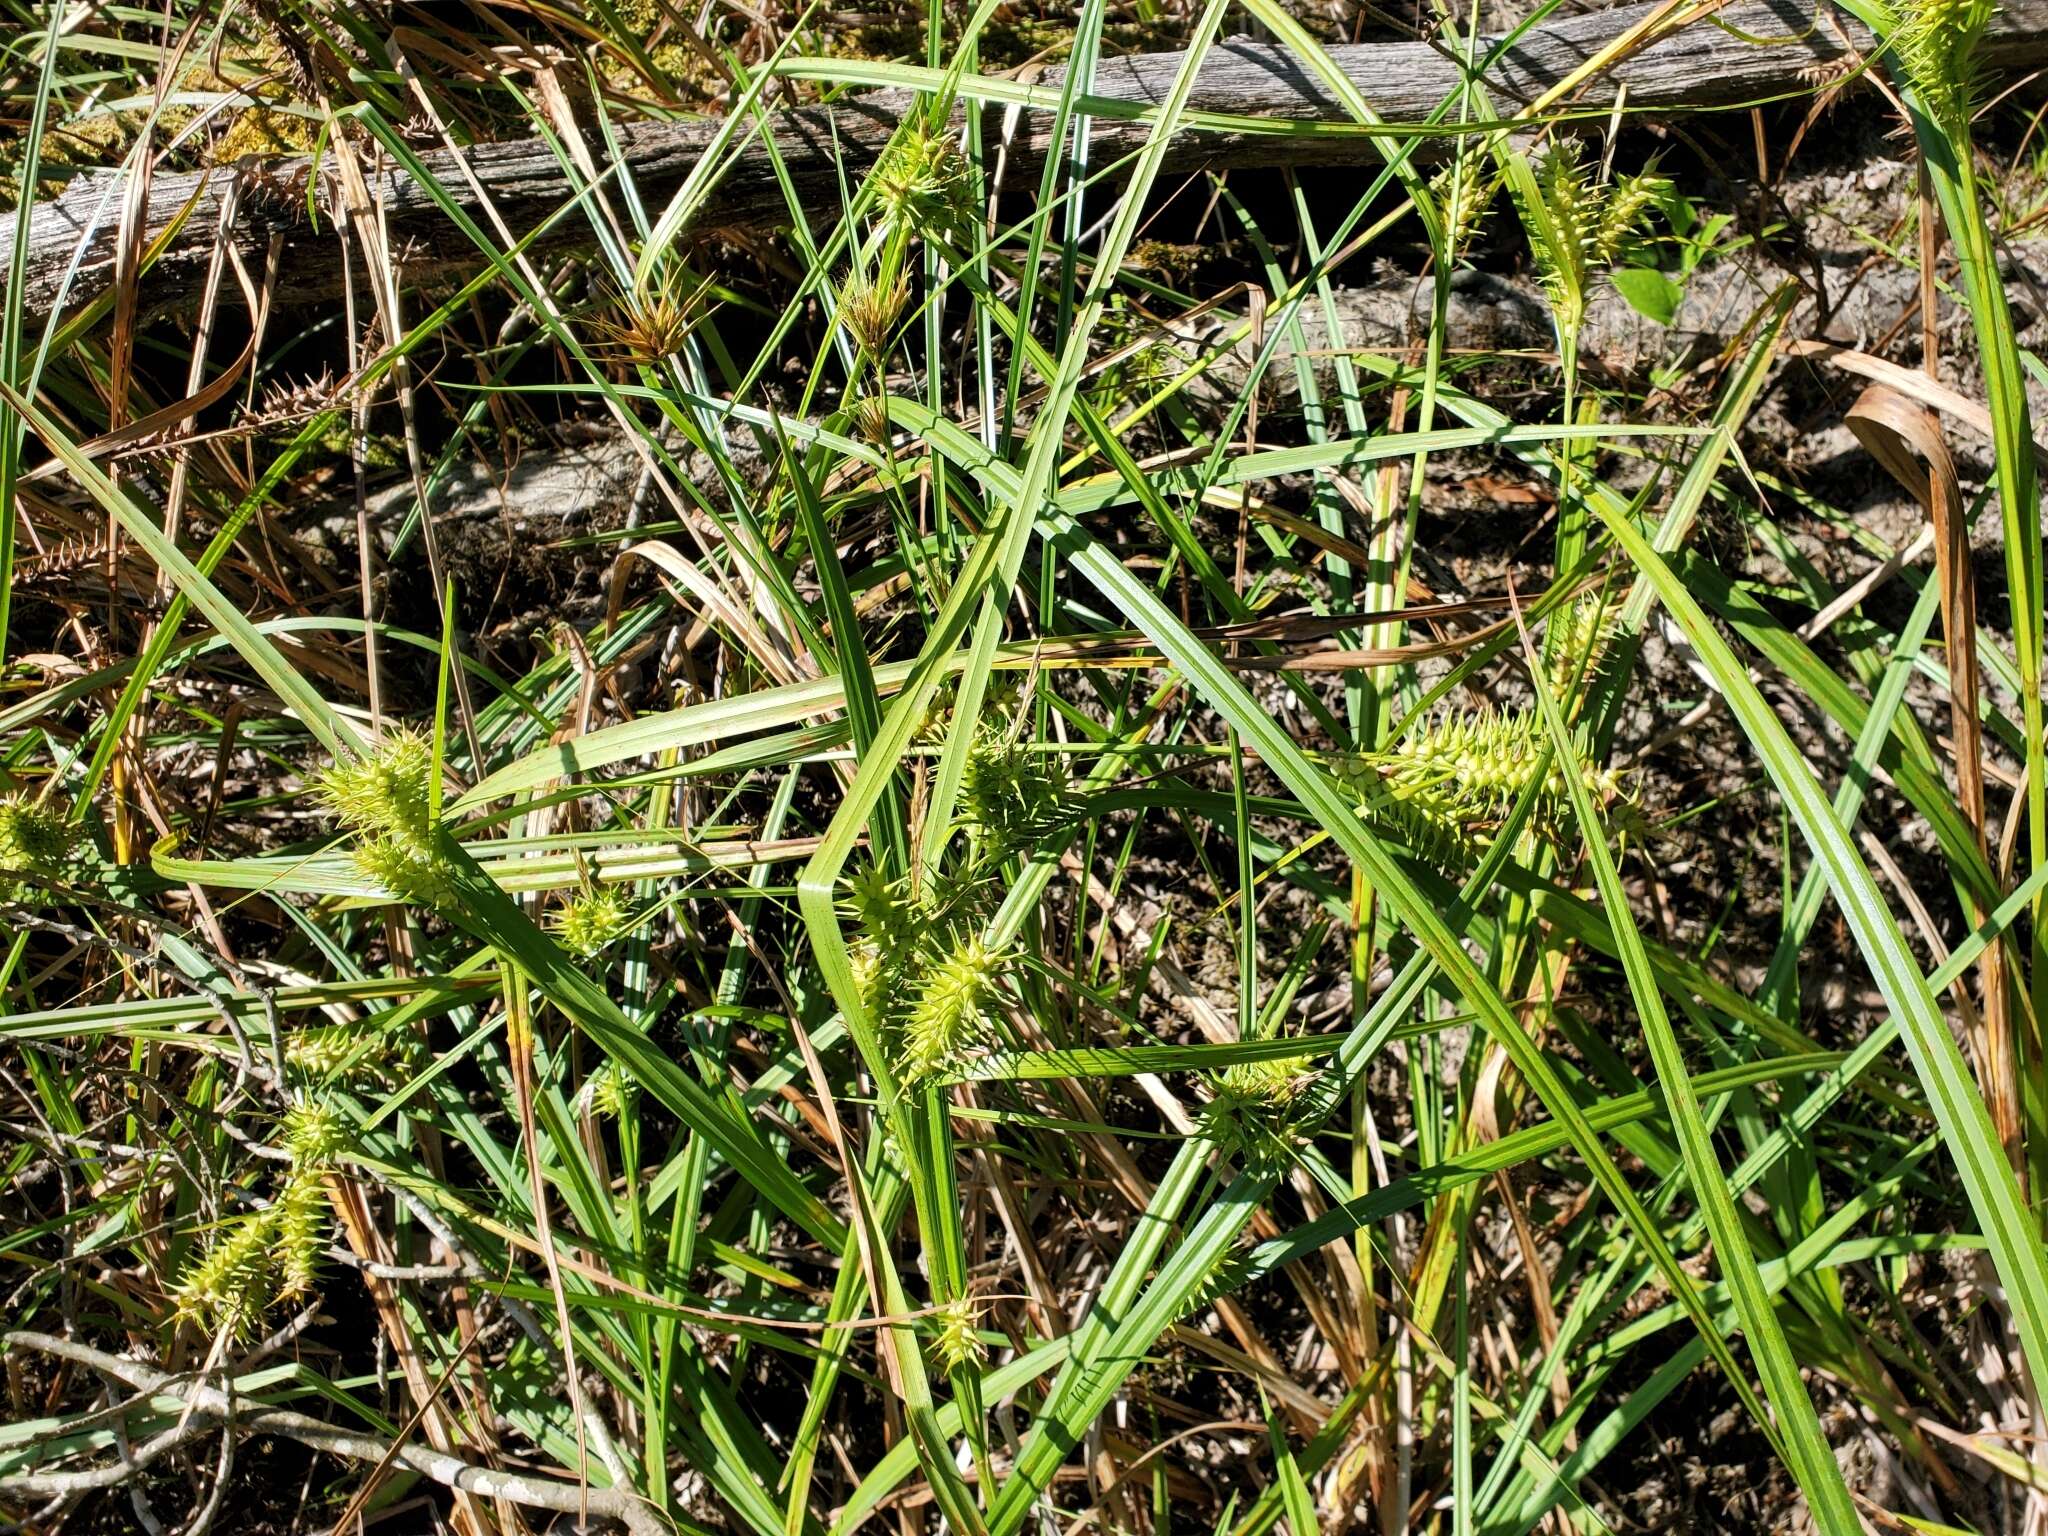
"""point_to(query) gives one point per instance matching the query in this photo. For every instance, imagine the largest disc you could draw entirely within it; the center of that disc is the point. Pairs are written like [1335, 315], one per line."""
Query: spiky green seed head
[1935, 42]
[322, 1050]
[1257, 1104]
[871, 977]
[885, 914]
[230, 1286]
[315, 1134]
[385, 797]
[1009, 795]
[1268, 1086]
[34, 837]
[610, 1092]
[592, 921]
[1476, 763]
[1446, 790]
[301, 1231]
[958, 987]
[1583, 226]
[1562, 181]
[925, 184]
[1624, 210]
[415, 873]
[1577, 643]
[1464, 191]
[956, 1342]
[387, 791]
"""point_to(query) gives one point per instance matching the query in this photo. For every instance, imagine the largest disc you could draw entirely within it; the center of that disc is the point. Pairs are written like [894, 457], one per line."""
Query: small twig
[211, 1403]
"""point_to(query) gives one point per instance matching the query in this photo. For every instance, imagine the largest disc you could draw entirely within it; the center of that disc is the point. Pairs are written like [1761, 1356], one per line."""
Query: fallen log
[1749, 50]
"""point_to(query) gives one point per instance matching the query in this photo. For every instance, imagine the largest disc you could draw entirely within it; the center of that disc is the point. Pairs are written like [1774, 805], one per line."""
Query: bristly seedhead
[386, 790]
[35, 840]
[301, 1231]
[889, 924]
[314, 1133]
[957, 989]
[1464, 191]
[386, 798]
[320, 1051]
[1268, 1087]
[414, 874]
[651, 324]
[1577, 641]
[1584, 224]
[1444, 791]
[956, 1343]
[610, 1092]
[229, 1287]
[1935, 42]
[1625, 209]
[926, 185]
[34, 837]
[1009, 795]
[871, 418]
[591, 921]
[270, 1255]
[1257, 1103]
[871, 312]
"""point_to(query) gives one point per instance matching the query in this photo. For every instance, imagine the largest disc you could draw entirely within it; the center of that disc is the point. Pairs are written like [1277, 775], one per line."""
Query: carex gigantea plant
[385, 798]
[1446, 788]
[271, 1255]
[1579, 223]
[929, 978]
[36, 843]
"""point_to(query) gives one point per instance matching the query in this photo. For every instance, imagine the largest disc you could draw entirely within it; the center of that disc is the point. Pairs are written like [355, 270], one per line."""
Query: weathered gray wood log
[1752, 49]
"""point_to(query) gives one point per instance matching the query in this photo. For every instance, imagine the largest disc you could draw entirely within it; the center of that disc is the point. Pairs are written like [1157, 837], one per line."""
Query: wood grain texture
[1750, 50]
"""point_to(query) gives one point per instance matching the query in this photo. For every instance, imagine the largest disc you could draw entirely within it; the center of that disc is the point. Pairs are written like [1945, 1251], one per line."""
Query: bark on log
[1751, 49]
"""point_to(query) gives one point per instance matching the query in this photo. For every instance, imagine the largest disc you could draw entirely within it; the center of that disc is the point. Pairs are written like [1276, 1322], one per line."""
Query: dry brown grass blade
[156, 422]
[1905, 438]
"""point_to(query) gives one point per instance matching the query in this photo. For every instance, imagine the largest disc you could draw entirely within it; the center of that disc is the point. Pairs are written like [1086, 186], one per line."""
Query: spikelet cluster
[35, 841]
[322, 1051]
[1577, 643]
[1274, 1083]
[1584, 224]
[609, 1092]
[1934, 42]
[871, 420]
[229, 1288]
[953, 997]
[1464, 191]
[926, 976]
[591, 921]
[1444, 791]
[651, 324]
[385, 798]
[271, 1255]
[1256, 1103]
[956, 1343]
[925, 185]
[871, 311]
[1009, 795]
